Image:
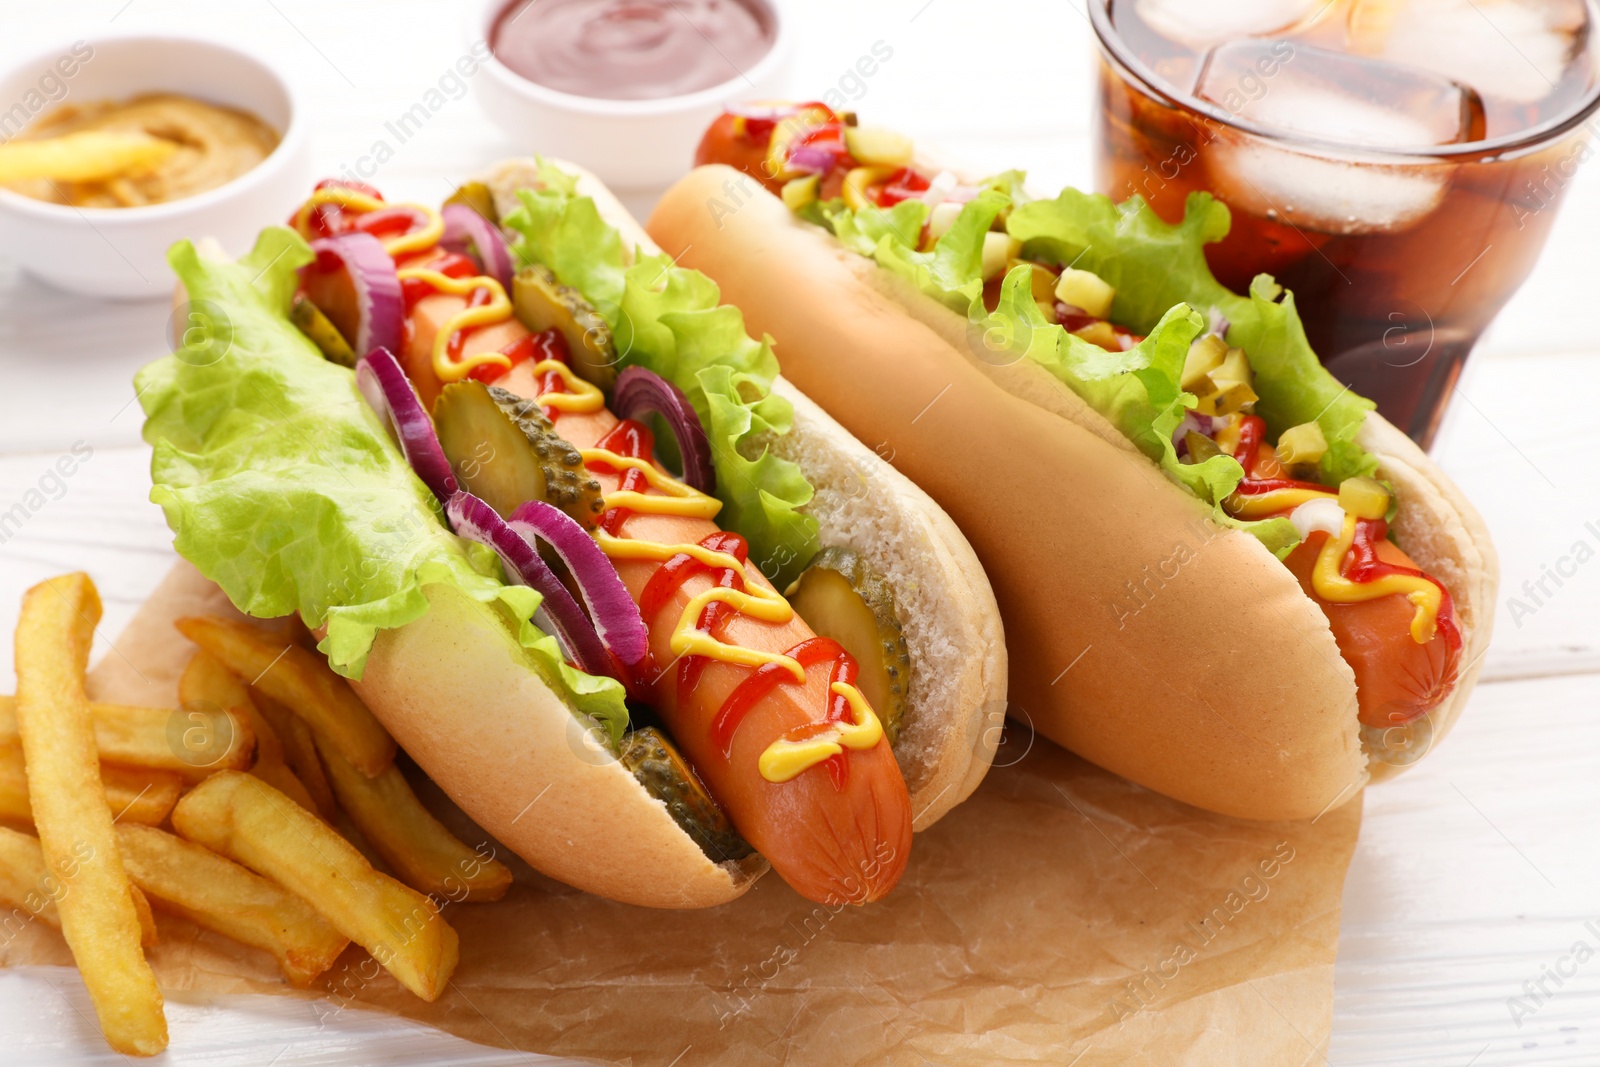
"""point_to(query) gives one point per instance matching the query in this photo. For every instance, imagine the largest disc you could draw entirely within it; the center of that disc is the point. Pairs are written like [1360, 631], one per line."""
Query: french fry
[85, 156]
[280, 777]
[248, 821]
[25, 882]
[218, 894]
[207, 683]
[300, 754]
[416, 846]
[140, 796]
[14, 786]
[302, 680]
[148, 938]
[192, 742]
[352, 833]
[98, 915]
[132, 794]
[160, 738]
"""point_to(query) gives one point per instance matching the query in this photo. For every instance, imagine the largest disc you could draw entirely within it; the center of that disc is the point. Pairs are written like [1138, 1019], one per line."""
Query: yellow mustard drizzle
[580, 396]
[1227, 438]
[680, 498]
[676, 498]
[1259, 505]
[355, 200]
[497, 310]
[1331, 585]
[764, 604]
[630, 548]
[784, 760]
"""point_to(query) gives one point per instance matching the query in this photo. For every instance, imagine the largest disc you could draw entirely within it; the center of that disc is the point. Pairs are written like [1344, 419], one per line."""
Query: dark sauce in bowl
[632, 49]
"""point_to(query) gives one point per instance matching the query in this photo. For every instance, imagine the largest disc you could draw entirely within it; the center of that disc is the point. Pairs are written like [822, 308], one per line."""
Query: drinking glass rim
[1148, 81]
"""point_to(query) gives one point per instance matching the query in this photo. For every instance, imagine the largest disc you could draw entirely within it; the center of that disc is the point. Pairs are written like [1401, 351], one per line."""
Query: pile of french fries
[266, 807]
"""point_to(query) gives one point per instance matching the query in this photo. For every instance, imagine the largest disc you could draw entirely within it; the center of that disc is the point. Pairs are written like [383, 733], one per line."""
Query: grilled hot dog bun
[1144, 636]
[461, 697]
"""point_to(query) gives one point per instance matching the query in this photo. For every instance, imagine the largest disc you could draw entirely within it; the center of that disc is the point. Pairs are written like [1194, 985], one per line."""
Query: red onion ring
[472, 235]
[812, 158]
[640, 392]
[385, 386]
[1191, 421]
[559, 614]
[380, 309]
[616, 617]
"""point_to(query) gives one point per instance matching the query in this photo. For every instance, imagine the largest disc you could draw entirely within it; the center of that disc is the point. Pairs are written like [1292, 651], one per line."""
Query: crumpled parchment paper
[1062, 915]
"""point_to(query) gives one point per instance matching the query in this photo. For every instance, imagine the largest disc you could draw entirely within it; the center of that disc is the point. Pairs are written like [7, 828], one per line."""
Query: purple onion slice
[355, 284]
[813, 159]
[559, 614]
[640, 392]
[385, 386]
[472, 235]
[616, 617]
[1218, 323]
[1201, 424]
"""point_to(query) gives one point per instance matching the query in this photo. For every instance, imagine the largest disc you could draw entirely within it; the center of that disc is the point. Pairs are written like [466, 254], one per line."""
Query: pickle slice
[477, 196]
[667, 776]
[321, 330]
[841, 597]
[504, 450]
[1201, 447]
[541, 303]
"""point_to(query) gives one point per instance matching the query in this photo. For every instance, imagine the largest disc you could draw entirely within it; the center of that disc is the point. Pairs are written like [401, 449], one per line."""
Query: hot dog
[860, 810]
[663, 723]
[1107, 318]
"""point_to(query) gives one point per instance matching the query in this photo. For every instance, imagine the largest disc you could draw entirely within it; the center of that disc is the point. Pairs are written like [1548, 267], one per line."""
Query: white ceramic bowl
[630, 144]
[122, 252]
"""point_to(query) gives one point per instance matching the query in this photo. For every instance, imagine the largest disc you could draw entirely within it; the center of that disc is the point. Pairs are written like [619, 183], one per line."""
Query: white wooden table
[1476, 874]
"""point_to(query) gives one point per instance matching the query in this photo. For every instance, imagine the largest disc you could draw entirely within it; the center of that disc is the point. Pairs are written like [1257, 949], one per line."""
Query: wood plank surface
[1476, 873]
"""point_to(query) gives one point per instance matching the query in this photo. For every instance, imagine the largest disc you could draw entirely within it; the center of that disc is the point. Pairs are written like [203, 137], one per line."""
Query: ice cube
[1347, 100]
[1333, 97]
[1319, 192]
[1516, 50]
[1203, 23]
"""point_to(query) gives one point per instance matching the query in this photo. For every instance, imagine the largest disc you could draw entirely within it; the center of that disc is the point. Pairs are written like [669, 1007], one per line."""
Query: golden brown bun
[463, 699]
[1447, 537]
[1438, 527]
[1143, 636]
[951, 622]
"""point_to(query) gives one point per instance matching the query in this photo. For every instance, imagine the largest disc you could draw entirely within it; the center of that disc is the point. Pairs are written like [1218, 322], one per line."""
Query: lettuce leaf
[668, 319]
[1162, 281]
[1154, 265]
[951, 272]
[282, 486]
[1137, 391]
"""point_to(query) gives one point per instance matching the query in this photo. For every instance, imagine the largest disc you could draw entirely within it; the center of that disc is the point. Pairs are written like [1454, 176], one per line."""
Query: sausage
[832, 843]
[723, 142]
[1397, 679]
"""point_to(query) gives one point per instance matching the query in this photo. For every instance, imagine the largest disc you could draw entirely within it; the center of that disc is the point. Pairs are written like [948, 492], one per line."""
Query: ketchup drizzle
[386, 222]
[768, 676]
[632, 439]
[1361, 564]
[1252, 431]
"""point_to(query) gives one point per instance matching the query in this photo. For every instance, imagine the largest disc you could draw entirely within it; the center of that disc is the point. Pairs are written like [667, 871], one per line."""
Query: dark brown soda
[1394, 312]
